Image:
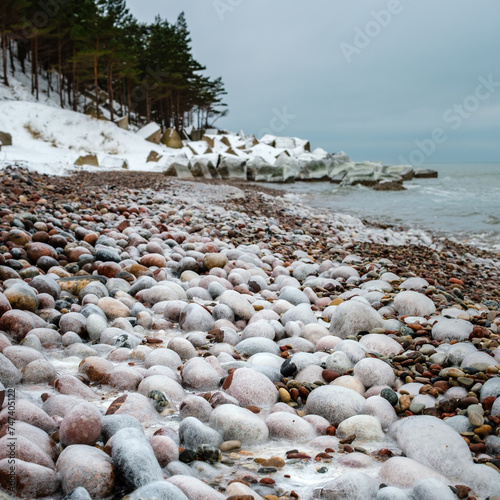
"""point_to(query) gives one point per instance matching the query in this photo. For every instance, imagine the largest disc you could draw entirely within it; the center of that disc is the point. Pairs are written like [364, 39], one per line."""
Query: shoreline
[387, 221]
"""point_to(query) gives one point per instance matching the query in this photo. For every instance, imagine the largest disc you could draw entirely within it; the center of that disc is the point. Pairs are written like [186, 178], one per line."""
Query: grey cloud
[287, 53]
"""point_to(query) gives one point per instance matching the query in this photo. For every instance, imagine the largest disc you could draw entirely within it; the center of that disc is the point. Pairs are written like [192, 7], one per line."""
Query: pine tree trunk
[110, 91]
[120, 95]
[59, 69]
[129, 100]
[12, 67]
[4, 55]
[35, 64]
[75, 82]
[148, 105]
[96, 61]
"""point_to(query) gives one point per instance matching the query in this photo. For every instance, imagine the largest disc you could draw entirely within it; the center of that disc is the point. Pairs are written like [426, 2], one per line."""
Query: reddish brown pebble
[267, 480]
[115, 405]
[227, 382]
[462, 491]
[303, 393]
[294, 393]
[477, 447]
[488, 403]
[152, 340]
[329, 375]
[253, 409]
[384, 452]
[298, 455]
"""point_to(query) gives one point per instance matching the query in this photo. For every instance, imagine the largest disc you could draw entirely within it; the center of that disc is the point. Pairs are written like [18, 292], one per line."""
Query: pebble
[87, 467]
[37, 481]
[81, 425]
[230, 445]
[134, 458]
[352, 317]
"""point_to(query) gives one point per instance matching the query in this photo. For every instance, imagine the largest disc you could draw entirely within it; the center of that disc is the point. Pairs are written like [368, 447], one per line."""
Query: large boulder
[90, 160]
[335, 403]
[251, 387]
[86, 466]
[32, 480]
[151, 133]
[240, 424]
[134, 458]
[352, 317]
[5, 139]
[171, 139]
[410, 303]
[232, 167]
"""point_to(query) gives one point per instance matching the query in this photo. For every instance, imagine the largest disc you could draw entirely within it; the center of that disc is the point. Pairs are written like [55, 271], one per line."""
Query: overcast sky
[390, 80]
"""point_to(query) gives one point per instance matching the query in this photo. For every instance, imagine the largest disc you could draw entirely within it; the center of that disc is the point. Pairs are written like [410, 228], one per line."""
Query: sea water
[463, 203]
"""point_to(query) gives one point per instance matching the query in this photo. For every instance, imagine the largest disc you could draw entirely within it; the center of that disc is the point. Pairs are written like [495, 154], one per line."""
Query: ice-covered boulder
[365, 427]
[240, 424]
[372, 371]
[353, 316]
[406, 473]
[334, 403]
[431, 442]
[451, 329]
[351, 485]
[251, 387]
[410, 303]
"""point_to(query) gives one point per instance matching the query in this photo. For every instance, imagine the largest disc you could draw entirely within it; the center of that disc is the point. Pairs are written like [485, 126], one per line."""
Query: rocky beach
[211, 339]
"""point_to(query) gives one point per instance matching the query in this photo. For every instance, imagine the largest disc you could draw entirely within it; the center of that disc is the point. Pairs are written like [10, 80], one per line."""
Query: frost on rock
[379, 407]
[372, 371]
[365, 427]
[351, 485]
[158, 489]
[193, 433]
[451, 329]
[334, 403]
[352, 317]
[284, 425]
[194, 488]
[406, 473]
[411, 303]
[432, 489]
[391, 493]
[250, 387]
[134, 458]
[200, 375]
[338, 362]
[240, 424]
[431, 442]
[483, 480]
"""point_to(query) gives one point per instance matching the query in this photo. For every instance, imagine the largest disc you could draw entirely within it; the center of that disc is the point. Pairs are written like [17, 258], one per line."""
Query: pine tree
[97, 44]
